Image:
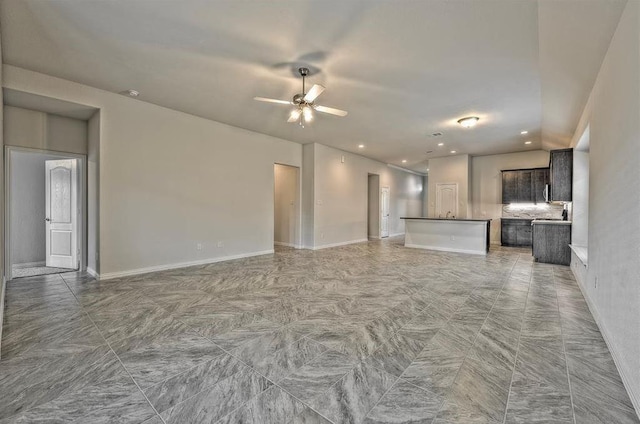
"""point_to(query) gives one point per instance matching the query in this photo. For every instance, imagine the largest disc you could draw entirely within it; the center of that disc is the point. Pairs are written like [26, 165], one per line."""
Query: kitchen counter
[449, 235]
[550, 221]
[444, 219]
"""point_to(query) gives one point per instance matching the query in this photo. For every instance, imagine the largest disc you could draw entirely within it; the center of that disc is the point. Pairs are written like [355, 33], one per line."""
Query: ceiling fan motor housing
[298, 99]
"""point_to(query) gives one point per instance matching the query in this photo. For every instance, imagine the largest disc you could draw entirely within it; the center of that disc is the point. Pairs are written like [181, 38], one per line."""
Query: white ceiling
[403, 70]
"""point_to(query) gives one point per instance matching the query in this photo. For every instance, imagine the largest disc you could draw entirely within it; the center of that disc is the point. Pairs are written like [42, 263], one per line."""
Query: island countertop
[445, 219]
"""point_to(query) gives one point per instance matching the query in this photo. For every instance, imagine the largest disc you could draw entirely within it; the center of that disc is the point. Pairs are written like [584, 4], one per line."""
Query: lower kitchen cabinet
[551, 243]
[516, 232]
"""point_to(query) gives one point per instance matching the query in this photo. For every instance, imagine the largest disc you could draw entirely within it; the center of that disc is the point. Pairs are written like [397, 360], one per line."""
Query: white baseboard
[396, 234]
[30, 264]
[344, 243]
[110, 275]
[92, 272]
[446, 249]
[625, 374]
[281, 243]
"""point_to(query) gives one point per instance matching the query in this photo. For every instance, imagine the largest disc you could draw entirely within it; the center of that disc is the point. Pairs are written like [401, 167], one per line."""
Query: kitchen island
[449, 235]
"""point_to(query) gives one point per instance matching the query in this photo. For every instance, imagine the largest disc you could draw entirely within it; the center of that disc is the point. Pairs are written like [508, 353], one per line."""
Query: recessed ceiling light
[440, 144]
[469, 121]
[453, 151]
[404, 161]
[427, 169]
[524, 132]
[527, 142]
[360, 146]
[132, 93]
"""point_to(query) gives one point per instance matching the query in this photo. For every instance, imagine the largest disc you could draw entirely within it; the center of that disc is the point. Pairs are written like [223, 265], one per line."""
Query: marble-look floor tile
[191, 382]
[233, 339]
[281, 363]
[315, 378]
[273, 406]
[396, 354]
[405, 403]
[212, 404]
[116, 399]
[346, 334]
[153, 361]
[29, 383]
[538, 403]
[354, 395]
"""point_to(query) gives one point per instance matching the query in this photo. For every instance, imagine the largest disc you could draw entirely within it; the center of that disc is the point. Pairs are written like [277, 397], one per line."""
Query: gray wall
[170, 181]
[39, 130]
[28, 207]
[340, 192]
[614, 201]
[93, 194]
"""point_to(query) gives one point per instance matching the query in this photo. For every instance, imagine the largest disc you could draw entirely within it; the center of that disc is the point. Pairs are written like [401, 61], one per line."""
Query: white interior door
[384, 212]
[61, 191]
[446, 200]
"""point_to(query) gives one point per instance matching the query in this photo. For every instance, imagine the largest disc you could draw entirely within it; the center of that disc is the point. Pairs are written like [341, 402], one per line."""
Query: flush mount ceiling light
[469, 121]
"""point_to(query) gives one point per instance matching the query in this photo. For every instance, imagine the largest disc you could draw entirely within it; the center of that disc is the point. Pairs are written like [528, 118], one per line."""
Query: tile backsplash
[531, 211]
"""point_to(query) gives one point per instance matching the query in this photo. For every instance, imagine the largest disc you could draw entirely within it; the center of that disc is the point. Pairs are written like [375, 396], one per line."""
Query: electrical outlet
[198, 246]
[220, 244]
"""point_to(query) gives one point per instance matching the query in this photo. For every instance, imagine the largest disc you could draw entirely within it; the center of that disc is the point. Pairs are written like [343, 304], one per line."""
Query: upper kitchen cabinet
[540, 181]
[524, 185]
[510, 187]
[561, 170]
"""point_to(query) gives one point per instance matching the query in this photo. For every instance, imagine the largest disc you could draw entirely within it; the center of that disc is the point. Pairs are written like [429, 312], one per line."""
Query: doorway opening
[373, 206]
[286, 225]
[377, 208]
[45, 219]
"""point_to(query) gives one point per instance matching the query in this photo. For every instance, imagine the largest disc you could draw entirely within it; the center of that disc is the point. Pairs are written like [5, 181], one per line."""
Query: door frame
[381, 206]
[82, 202]
[438, 185]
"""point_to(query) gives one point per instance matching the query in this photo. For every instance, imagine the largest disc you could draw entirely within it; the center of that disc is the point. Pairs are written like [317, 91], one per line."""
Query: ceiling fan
[304, 102]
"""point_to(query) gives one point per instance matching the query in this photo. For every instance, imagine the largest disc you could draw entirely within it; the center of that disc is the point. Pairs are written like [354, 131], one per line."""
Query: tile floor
[367, 333]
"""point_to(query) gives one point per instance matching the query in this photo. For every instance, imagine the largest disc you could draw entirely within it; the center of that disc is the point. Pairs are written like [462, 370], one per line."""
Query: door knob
[47, 219]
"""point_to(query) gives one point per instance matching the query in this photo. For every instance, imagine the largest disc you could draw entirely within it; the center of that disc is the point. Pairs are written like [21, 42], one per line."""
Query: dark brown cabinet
[524, 185]
[516, 232]
[561, 170]
[551, 243]
[509, 186]
[540, 181]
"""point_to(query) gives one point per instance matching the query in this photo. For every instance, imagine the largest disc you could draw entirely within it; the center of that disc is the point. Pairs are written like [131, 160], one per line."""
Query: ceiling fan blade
[295, 115]
[264, 99]
[331, 111]
[315, 91]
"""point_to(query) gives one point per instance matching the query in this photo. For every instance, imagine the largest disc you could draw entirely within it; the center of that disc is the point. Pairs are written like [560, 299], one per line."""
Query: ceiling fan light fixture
[469, 121]
[307, 113]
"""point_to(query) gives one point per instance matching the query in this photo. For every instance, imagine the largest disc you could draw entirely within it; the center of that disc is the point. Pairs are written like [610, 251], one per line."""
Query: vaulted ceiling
[403, 69]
